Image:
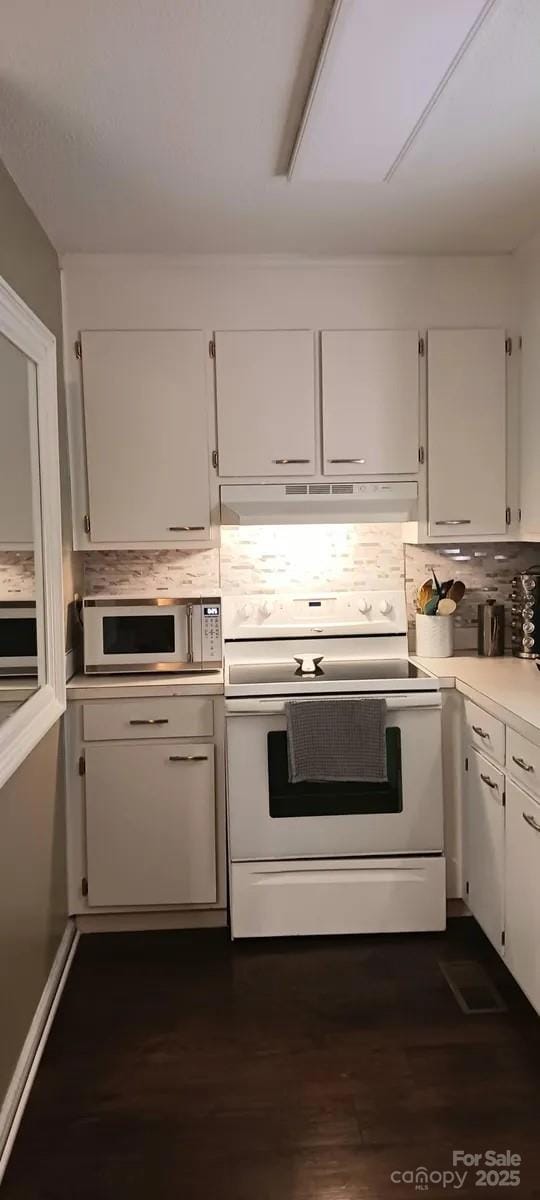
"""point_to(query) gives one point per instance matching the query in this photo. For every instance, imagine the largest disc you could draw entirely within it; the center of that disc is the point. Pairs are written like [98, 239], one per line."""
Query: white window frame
[22, 731]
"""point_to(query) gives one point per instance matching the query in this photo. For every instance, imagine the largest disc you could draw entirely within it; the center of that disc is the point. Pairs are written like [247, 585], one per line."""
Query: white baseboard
[16, 1097]
[141, 921]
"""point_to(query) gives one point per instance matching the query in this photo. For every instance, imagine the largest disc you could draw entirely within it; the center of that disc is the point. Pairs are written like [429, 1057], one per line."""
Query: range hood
[317, 503]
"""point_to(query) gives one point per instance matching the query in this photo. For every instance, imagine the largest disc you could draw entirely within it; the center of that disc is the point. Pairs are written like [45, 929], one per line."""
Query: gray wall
[32, 842]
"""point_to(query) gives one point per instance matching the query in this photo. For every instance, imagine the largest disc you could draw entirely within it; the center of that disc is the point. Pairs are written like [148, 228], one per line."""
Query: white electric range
[342, 857]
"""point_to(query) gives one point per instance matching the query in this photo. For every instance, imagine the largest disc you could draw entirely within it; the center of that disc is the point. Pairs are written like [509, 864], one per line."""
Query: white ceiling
[166, 126]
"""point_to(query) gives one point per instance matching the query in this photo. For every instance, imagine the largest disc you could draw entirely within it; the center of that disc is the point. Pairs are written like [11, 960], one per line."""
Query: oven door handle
[256, 706]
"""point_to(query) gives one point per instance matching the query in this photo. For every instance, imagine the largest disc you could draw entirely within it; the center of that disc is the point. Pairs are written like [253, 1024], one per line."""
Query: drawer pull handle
[280, 462]
[489, 781]
[520, 762]
[151, 721]
[188, 758]
[464, 521]
[531, 821]
[481, 732]
[186, 528]
[347, 460]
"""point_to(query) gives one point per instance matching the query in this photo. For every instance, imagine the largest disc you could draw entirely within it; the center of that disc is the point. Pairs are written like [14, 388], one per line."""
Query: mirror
[20, 669]
[32, 662]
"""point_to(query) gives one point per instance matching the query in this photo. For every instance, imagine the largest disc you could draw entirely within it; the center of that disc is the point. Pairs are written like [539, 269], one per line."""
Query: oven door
[142, 635]
[270, 818]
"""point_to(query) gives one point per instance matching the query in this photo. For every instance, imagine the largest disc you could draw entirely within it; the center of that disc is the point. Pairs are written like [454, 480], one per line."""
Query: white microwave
[161, 634]
[18, 638]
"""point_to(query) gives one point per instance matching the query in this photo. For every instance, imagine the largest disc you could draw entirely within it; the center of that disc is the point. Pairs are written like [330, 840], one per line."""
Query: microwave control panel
[211, 633]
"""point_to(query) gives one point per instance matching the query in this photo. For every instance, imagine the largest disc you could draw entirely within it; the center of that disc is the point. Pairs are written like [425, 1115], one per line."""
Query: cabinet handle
[520, 762]
[186, 528]
[188, 758]
[346, 460]
[489, 781]
[481, 732]
[283, 461]
[151, 721]
[466, 521]
[531, 821]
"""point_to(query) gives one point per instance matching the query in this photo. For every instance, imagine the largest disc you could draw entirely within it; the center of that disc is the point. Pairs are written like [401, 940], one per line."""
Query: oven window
[332, 799]
[18, 638]
[138, 635]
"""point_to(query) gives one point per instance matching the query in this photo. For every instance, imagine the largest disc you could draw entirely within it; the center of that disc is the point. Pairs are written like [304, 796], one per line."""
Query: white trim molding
[16, 1098]
[26, 727]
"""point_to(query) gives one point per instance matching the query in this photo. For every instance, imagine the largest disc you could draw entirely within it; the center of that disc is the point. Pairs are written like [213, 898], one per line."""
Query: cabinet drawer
[485, 732]
[523, 761]
[163, 717]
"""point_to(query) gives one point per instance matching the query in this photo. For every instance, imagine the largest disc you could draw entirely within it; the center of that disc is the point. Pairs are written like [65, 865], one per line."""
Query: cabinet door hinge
[86, 523]
[421, 347]
[212, 348]
[421, 455]
[508, 516]
[508, 346]
[82, 765]
[503, 938]
[78, 349]
[84, 886]
[503, 800]
[520, 342]
[215, 459]
[467, 888]
[466, 764]
[519, 514]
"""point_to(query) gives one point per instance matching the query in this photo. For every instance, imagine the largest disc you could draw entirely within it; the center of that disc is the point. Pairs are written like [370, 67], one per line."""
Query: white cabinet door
[523, 890]
[484, 845]
[265, 387]
[150, 824]
[370, 389]
[146, 432]
[466, 432]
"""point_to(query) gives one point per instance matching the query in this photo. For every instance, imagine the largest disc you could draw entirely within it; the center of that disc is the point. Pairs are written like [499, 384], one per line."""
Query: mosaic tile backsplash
[272, 558]
[17, 575]
[486, 570]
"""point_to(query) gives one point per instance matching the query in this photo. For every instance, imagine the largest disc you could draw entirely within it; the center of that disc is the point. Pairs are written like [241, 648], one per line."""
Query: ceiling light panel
[382, 67]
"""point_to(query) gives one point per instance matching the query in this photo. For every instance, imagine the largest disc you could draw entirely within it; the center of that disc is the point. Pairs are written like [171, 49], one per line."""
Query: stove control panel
[316, 614]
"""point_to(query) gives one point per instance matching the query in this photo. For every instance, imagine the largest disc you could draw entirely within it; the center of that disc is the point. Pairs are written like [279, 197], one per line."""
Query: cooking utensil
[424, 594]
[457, 591]
[436, 582]
[445, 587]
[446, 607]
[431, 607]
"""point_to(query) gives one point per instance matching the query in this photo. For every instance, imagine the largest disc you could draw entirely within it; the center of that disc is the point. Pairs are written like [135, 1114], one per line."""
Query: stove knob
[385, 607]
[244, 612]
[265, 609]
[364, 605]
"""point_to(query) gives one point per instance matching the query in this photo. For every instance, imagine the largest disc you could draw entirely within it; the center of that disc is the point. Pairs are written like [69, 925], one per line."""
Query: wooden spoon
[446, 607]
[424, 594]
[457, 591]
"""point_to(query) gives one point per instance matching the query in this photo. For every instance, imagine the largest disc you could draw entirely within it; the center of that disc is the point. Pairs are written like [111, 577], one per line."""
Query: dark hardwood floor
[180, 1066]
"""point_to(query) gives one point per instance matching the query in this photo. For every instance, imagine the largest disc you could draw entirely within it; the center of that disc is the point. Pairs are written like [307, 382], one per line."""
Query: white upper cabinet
[265, 387]
[146, 431]
[370, 389]
[466, 432]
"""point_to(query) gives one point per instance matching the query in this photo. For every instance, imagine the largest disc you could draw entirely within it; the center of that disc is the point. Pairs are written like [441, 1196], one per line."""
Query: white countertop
[507, 687]
[125, 687]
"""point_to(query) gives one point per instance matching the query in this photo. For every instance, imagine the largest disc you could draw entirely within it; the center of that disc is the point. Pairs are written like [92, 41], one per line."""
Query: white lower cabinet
[150, 824]
[522, 875]
[484, 845]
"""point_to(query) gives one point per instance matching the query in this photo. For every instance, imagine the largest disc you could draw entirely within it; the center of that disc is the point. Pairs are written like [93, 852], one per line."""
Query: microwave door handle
[189, 618]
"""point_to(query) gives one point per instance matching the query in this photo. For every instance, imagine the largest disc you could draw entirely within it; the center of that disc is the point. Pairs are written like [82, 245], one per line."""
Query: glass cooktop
[332, 671]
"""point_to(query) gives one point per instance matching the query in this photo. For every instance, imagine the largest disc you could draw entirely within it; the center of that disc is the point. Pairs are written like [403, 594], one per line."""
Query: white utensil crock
[434, 636]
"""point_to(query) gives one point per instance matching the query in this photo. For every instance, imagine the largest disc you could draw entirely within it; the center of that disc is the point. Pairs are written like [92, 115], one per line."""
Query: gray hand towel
[337, 739]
